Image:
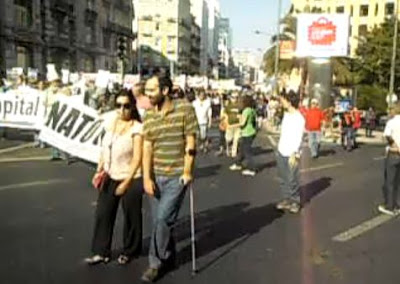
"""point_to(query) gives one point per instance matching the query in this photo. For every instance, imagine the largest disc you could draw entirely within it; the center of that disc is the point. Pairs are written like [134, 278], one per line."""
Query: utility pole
[394, 51]
[277, 47]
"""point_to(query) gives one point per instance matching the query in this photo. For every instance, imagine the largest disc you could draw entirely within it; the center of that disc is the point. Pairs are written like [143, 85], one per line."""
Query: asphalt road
[47, 210]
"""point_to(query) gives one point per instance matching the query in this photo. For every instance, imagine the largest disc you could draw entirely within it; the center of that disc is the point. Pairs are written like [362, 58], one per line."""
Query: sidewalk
[26, 154]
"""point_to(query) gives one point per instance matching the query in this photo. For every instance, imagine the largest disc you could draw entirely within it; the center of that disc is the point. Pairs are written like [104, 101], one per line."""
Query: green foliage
[371, 96]
[375, 54]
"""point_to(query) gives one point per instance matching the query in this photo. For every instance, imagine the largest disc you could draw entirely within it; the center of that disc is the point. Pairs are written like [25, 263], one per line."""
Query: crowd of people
[155, 132]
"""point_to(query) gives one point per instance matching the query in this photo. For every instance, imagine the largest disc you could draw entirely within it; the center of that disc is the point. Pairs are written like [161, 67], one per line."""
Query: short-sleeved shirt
[250, 116]
[392, 129]
[232, 111]
[167, 132]
[117, 150]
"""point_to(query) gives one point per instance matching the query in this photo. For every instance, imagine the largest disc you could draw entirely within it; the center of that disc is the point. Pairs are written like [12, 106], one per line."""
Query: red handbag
[99, 179]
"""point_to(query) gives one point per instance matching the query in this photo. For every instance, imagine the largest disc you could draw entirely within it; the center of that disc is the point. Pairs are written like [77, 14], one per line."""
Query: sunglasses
[124, 106]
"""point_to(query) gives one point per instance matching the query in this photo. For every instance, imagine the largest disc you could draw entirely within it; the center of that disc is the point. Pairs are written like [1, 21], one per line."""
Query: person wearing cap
[231, 116]
[314, 119]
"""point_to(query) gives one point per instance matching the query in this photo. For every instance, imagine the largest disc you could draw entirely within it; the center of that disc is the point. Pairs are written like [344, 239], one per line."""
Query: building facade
[224, 48]
[364, 15]
[200, 11]
[76, 35]
[213, 36]
[164, 29]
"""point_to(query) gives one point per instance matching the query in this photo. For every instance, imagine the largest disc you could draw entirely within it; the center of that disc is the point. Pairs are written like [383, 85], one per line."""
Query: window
[158, 42]
[89, 64]
[362, 30]
[376, 9]
[91, 4]
[106, 39]
[340, 9]
[389, 9]
[23, 13]
[351, 10]
[329, 9]
[90, 32]
[157, 26]
[24, 57]
[170, 44]
[364, 10]
[350, 30]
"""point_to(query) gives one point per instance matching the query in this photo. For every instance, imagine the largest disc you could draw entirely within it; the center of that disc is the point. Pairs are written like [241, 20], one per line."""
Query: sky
[246, 16]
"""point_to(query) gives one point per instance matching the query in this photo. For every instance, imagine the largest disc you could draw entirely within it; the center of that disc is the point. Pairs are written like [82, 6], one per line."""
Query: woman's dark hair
[292, 98]
[132, 102]
[247, 101]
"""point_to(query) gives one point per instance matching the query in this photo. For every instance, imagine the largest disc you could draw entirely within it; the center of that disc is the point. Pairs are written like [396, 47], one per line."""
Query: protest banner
[74, 128]
[22, 108]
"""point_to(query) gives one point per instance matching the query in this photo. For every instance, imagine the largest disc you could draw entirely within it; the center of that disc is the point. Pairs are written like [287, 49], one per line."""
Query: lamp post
[394, 53]
[277, 43]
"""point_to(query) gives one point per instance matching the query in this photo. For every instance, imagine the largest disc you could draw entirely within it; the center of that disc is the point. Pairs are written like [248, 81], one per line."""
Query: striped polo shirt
[167, 130]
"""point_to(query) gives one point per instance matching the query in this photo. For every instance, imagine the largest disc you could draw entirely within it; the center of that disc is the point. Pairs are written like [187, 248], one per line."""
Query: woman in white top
[120, 169]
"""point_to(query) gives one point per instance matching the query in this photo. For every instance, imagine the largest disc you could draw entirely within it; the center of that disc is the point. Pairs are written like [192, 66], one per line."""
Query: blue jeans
[289, 179]
[165, 208]
[314, 139]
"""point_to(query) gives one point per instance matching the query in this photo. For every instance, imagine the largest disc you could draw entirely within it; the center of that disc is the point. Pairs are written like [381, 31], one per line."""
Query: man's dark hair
[292, 98]
[164, 81]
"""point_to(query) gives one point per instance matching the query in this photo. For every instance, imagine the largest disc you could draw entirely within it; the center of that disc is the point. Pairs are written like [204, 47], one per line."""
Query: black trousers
[245, 156]
[392, 180]
[106, 212]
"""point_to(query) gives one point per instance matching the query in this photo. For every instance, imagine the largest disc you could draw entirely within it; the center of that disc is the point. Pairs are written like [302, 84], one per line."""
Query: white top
[203, 111]
[292, 131]
[117, 152]
[392, 129]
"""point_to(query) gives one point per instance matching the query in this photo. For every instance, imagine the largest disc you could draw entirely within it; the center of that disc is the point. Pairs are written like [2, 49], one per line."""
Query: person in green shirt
[248, 126]
[232, 133]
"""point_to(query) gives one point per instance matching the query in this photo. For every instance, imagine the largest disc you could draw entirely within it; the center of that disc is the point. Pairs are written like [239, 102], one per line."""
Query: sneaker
[249, 173]
[384, 210]
[235, 167]
[294, 208]
[96, 259]
[150, 275]
[283, 205]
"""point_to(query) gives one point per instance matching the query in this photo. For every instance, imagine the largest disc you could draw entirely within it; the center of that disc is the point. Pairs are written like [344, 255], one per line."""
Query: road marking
[26, 159]
[272, 140]
[379, 158]
[23, 146]
[362, 228]
[322, 167]
[34, 183]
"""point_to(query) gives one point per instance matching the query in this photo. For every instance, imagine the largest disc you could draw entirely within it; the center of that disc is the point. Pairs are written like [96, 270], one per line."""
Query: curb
[15, 148]
[27, 159]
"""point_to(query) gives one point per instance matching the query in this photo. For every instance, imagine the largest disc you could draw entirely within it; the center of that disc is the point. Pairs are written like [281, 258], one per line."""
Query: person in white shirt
[202, 107]
[392, 165]
[288, 153]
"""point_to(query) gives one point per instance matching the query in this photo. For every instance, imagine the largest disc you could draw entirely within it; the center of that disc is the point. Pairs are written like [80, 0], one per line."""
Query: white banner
[22, 108]
[74, 128]
[322, 35]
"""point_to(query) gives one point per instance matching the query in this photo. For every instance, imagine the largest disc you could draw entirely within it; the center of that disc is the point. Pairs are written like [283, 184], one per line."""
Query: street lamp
[277, 44]
[393, 63]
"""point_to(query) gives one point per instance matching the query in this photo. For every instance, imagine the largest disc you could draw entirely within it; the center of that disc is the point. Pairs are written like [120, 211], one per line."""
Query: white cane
[192, 229]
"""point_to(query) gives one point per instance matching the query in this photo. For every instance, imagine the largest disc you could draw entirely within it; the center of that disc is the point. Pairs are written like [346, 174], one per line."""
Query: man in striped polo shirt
[169, 132]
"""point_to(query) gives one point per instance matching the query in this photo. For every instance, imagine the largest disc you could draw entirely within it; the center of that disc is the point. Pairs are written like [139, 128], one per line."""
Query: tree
[374, 56]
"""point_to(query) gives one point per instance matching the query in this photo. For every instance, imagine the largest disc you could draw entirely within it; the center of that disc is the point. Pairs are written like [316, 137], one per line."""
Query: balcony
[62, 6]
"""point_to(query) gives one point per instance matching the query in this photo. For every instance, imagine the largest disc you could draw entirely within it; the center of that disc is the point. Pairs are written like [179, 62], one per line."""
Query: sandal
[123, 259]
[96, 259]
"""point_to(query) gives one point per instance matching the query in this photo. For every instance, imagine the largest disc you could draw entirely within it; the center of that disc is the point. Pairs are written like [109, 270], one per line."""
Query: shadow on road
[312, 189]
[268, 165]
[260, 151]
[206, 171]
[327, 152]
[227, 226]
